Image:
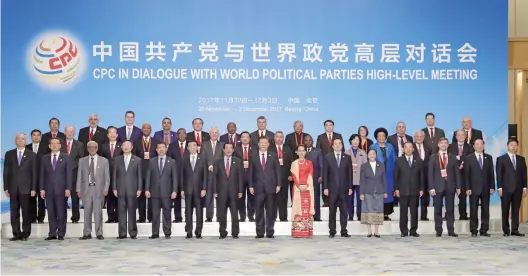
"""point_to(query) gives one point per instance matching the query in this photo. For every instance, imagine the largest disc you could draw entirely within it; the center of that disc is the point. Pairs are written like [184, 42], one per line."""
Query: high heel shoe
[377, 236]
[369, 236]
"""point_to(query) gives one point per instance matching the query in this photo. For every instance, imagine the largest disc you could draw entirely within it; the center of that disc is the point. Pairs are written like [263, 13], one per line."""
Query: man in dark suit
[422, 152]
[432, 133]
[228, 185]
[20, 184]
[511, 185]
[471, 134]
[161, 186]
[408, 186]
[480, 185]
[110, 150]
[264, 183]
[325, 142]
[296, 138]
[129, 132]
[231, 137]
[128, 184]
[56, 174]
[461, 150]
[177, 151]
[243, 151]
[286, 157]
[54, 132]
[444, 182]
[165, 136]
[316, 156]
[212, 150]
[36, 146]
[145, 149]
[195, 179]
[337, 185]
[93, 132]
[75, 150]
[262, 130]
[399, 139]
[197, 134]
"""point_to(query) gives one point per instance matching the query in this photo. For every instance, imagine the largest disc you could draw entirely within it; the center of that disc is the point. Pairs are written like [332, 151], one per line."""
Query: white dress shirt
[163, 161]
[95, 159]
[21, 152]
[56, 156]
[407, 158]
[373, 166]
[265, 156]
[92, 130]
[35, 147]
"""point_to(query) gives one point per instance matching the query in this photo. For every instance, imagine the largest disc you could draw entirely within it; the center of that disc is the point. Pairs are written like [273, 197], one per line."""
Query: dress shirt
[21, 151]
[93, 130]
[226, 158]
[407, 158]
[35, 147]
[373, 166]
[96, 157]
[182, 143]
[336, 153]
[195, 156]
[57, 156]
[265, 156]
[421, 150]
[164, 161]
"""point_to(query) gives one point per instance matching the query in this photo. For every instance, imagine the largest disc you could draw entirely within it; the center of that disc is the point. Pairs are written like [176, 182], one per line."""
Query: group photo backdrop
[371, 63]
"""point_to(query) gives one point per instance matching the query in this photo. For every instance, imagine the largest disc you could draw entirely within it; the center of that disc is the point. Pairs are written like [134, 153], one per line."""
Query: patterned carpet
[390, 255]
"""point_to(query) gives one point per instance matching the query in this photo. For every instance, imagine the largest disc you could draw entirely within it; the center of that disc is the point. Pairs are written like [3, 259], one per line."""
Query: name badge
[198, 149]
[246, 164]
[146, 155]
[354, 167]
[281, 162]
[443, 173]
[458, 157]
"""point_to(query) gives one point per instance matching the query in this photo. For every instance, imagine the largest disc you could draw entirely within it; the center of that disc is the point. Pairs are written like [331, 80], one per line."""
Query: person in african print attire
[303, 195]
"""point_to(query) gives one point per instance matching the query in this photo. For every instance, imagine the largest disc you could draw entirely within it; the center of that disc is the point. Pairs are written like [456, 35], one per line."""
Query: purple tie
[54, 162]
[19, 157]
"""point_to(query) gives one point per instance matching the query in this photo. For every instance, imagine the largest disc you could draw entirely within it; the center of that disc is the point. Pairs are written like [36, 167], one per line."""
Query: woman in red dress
[303, 195]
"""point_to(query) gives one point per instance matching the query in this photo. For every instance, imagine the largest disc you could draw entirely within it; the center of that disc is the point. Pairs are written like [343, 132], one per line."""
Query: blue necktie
[19, 157]
[513, 162]
[161, 164]
[409, 160]
[338, 160]
[480, 161]
[54, 162]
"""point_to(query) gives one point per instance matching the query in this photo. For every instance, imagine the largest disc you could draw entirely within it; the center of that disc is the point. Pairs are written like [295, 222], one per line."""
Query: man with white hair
[93, 132]
[472, 134]
[75, 150]
[296, 138]
[212, 150]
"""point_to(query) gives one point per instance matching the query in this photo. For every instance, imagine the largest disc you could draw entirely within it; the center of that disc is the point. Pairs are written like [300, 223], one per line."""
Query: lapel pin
[60, 160]
[24, 156]
[168, 161]
[377, 165]
[132, 159]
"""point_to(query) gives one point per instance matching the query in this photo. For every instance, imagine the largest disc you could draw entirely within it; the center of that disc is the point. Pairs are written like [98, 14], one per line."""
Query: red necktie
[432, 134]
[90, 136]
[330, 139]
[245, 153]
[112, 150]
[227, 167]
[280, 151]
[445, 160]
[181, 149]
[54, 135]
[263, 162]
[198, 139]
[420, 151]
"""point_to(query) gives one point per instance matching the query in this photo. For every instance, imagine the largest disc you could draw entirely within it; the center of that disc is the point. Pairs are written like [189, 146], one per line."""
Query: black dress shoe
[75, 221]
[270, 236]
[40, 222]
[109, 221]
[188, 236]
[387, 218]
[60, 238]
[369, 236]
[332, 236]
[50, 238]
[241, 220]
[416, 235]
[474, 234]
[209, 220]
[345, 235]
[424, 219]
[377, 236]
[463, 218]
[167, 237]
[517, 233]
[317, 219]
[284, 220]
[133, 237]
[154, 237]
[14, 239]
[198, 236]
[140, 221]
[259, 236]
[251, 219]
[350, 218]
[485, 234]
[24, 239]
[121, 237]
[87, 237]
[177, 220]
[404, 235]
[100, 237]
[222, 237]
[454, 235]
[438, 235]
[235, 237]
[34, 221]
[506, 234]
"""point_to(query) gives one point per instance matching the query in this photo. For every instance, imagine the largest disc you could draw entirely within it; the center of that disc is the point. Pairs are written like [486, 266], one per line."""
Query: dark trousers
[17, 202]
[193, 202]
[325, 198]
[75, 206]
[265, 213]
[335, 201]
[143, 210]
[512, 200]
[126, 208]
[424, 203]
[111, 206]
[38, 208]
[438, 200]
[208, 204]
[247, 202]
[282, 201]
[178, 208]
[56, 215]
[462, 204]
[484, 199]
[408, 203]
[317, 199]
[222, 205]
[164, 205]
[352, 200]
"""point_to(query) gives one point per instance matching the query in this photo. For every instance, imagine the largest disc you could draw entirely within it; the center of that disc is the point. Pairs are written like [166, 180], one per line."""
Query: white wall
[518, 18]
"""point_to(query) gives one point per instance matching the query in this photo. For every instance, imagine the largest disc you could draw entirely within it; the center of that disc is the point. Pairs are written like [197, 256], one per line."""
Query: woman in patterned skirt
[303, 195]
[373, 189]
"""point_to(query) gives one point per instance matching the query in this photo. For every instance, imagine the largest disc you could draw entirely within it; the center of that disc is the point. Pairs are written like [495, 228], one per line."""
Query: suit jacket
[104, 151]
[255, 135]
[160, 136]
[194, 182]
[316, 156]
[127, 181]
[324, 145]
[191, 137]
[373, 182]
[139, 150]
[362, 158]
[59, 180]
[510, 179]
[20, 179]
[479, 180]
[174, 150]
[287, 159]
[425, 164]
[207, 151]
[239, 152]
[267, 180]
[466, 150]
[409, 180]
[136, 134]
[42, 149]
[394, 140]
[102, 176]
[46, 137]
[100, 136]
[432, 144]
[435, 179]
[293, 141]
[228, 187]
[161, 184]
[338, 180]
[76, 152]
[475, 134]
[225, 139]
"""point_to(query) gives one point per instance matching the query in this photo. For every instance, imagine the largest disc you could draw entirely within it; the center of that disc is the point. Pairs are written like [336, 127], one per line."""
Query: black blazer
[205, 137]
[267, 180]
[510, 179]
[161, 184]
[100, 136]
[239, 152]
[140, 153]
[395, 141]
[369, 143]
[479, 180]
[76, 153]
[287, 160]
[409, 180]
[338, 180]
[322, 142]
[59, 180]
[174, 150]
[20, 179]
[255, 137]
[432, 144]
[104, 151]
[42, 150]
[228, 188]
[194, 181]
[127, 182]
[435, 179]
[475, 134]
[292, 140]
[425, 164]
[46, 137]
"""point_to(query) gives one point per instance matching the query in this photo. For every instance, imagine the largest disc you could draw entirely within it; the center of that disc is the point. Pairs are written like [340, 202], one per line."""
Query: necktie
[91, 172]
[280, 151]
[54, 135]
[228, 164]
[480, 160]
[261, 133]
[329, 139]
[432, 134]
[231, 141]
[35, 148]
[146, 144]
[112, 150]
[467, 136]
[90, 136]
[54, 162]
[19, 157]
[409, 160]
[338, 160]
[245, 153]
[445, 160]
[68, 148]
[181, 149]
[166, 140]
[460, 150]
[161, 164]
[214, 146]
[420, 151]
[309, 150]
[263, 162]
[127, 161]
[402, 142]
[193, 163]
[513, 162]
[129, 132]
[198, 141]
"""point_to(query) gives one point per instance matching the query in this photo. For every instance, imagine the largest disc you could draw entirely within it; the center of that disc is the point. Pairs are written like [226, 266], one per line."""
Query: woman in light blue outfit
[386, 154]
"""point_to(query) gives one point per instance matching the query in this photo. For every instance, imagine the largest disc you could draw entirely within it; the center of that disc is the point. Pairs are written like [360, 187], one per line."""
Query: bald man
[472, 134]
[461, 149]
[212, 150]
[144, 149]
[74, 149]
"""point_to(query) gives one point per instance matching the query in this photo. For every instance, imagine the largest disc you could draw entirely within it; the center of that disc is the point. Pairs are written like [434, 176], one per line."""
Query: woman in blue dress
[386, 154]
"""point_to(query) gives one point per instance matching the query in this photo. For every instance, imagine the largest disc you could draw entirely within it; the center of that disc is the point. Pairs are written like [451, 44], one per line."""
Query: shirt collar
[265, 153]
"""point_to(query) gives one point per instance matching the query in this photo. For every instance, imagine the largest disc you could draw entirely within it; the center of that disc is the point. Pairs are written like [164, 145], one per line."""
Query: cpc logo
[55, 61]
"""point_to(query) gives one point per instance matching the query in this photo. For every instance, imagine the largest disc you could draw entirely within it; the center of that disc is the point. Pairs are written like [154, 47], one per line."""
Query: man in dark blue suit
[337, 185]
[129, 132]
[316, 156]
[56, 178]
[231, 137]
[264, 176]
[165, 136]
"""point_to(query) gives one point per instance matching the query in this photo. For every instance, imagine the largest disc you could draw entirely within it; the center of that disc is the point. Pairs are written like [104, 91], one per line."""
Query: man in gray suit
[212, 150]
[432, 133]
[161, 185]
[93, 181]
[75, 150]
[127, 178]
